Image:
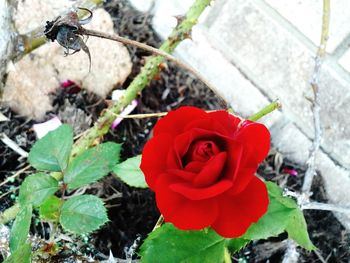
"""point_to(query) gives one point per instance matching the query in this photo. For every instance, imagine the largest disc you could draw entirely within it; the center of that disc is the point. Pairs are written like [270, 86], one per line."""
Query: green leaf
[236, 244]
[273, 223]
[168, 244]
[21, 255]
[130, 173]
[92, 165]
[20, 229]
[297, 230]
[50, 208]
[283, 214]
[36, 188]
[83, 214]
[52, 151]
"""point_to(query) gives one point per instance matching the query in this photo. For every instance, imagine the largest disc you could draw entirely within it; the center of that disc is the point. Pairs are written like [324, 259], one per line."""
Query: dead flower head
[68, 31]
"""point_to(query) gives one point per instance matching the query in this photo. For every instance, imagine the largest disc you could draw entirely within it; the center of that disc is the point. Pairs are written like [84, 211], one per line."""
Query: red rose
[202, 168]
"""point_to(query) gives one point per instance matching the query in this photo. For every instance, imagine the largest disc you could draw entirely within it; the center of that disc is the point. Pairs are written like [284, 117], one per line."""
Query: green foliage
[36, 188]
[283, 215]
[130, 173]
[297, 230]
[83, 214]
[170, 245]
[20, 229]
[50, 209]
[52, 151]
[92, 165]
[236, 244]
[21, 255]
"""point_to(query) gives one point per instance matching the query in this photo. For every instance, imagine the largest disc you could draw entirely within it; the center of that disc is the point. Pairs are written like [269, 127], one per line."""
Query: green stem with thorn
[148, 73]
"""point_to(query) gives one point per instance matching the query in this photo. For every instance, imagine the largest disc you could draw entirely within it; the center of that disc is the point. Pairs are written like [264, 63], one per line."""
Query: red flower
[202, 168]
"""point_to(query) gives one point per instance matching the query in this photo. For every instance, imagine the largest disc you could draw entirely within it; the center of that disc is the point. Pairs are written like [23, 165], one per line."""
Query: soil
[132, 212]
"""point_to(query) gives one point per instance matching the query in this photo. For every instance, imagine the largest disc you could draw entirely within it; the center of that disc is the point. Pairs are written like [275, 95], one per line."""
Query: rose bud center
[201, 150]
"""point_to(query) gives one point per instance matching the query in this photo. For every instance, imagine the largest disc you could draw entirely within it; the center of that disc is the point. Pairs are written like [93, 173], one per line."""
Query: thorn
[188, 36]
[163, 66]
[179, 19]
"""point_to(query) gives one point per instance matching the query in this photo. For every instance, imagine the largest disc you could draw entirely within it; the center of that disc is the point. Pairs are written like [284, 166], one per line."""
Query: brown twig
[291, 254]
[311, 169]
[153, 50]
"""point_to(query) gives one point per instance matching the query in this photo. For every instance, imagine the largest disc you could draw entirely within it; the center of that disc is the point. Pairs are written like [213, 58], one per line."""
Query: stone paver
[306, 16]
[345, 60]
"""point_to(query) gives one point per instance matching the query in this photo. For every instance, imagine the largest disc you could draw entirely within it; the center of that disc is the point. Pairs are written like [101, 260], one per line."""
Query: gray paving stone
[345, 60]
[306, 16]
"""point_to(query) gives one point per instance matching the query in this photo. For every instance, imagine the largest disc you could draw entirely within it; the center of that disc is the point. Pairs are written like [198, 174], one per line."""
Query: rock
[35, 76]
[5, 37]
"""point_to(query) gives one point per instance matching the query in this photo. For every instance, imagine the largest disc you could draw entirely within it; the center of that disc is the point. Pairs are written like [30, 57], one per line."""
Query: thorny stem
[268, 109]
[311, 170]
[151, 49]
[148, 73]
[227, 256]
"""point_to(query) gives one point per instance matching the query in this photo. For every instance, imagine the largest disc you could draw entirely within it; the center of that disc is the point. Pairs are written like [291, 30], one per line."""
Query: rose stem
[227, 256]
[148, 73]
[268, 109]
[152, 50]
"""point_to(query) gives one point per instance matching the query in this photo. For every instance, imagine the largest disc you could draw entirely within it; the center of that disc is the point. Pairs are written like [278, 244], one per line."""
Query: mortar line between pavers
[333, 64]
[341, 49]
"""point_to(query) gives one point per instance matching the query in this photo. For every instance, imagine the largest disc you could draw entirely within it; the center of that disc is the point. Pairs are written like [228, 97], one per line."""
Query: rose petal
[185, 214]
[255, 138]
[208, 124]
[211, 171]
[238, 212]
[243, 178]
[194, 167]
[234, 151]
[202, 150]
[235, 169]
[192, 193]
[188, 176]
[229, 121]
[154, 157]
[183, 141]
[175, 121]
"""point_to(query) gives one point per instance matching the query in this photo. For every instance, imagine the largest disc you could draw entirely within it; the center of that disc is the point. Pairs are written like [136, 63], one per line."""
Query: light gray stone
[345, 60]
[6, 36]
[306, 16]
